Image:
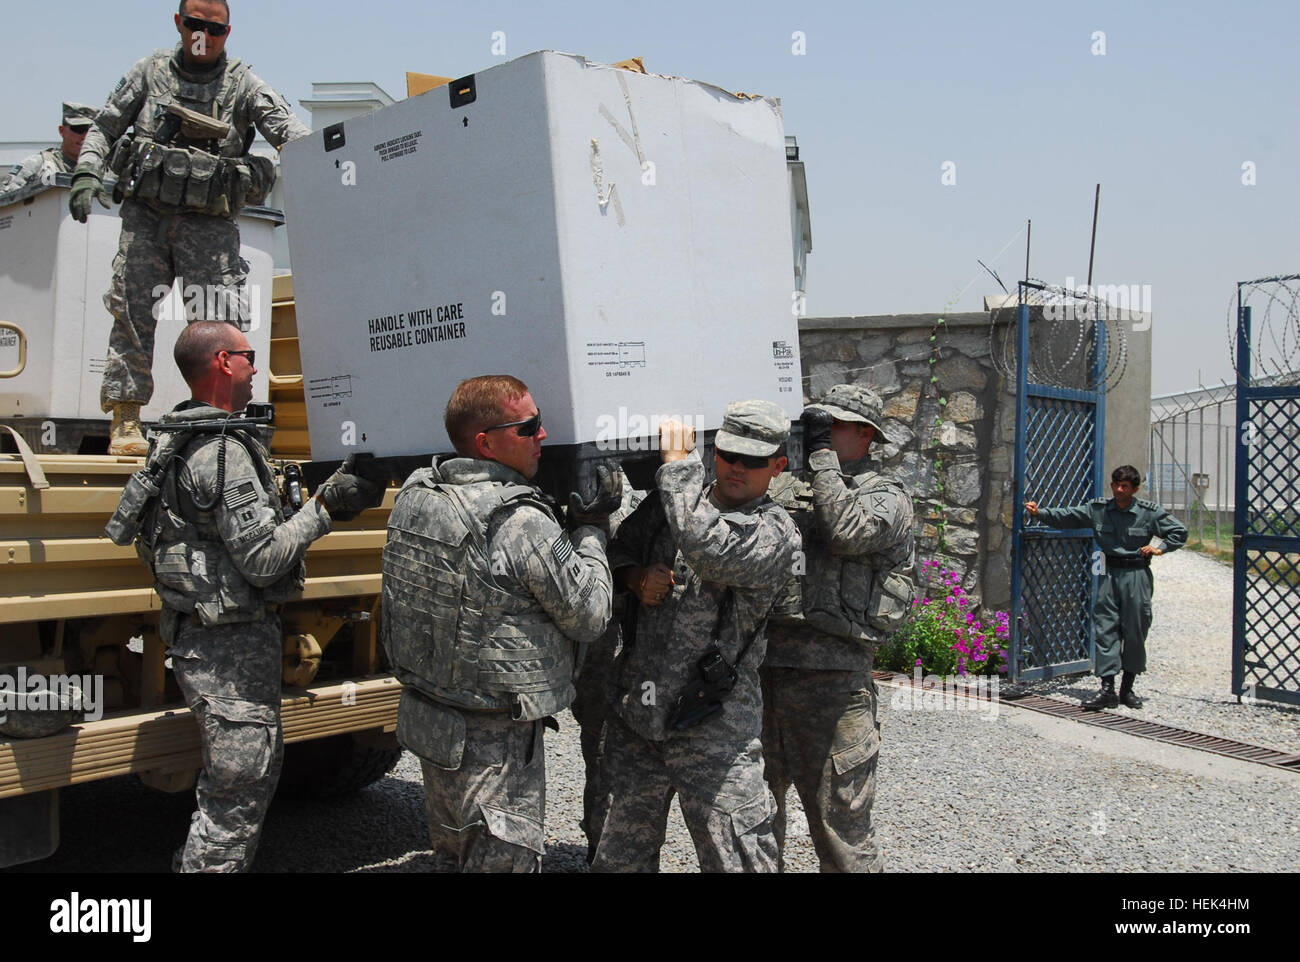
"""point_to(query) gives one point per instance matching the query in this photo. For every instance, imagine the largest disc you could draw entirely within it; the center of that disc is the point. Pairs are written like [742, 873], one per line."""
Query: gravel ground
[960, 789]
[1188, 682]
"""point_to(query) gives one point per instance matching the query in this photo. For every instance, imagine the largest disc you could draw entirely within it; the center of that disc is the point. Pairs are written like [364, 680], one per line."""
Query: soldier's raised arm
[744, 550]
[855, 522]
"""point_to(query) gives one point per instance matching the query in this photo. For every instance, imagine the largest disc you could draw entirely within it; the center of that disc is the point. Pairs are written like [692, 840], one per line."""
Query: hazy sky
[1017, 96]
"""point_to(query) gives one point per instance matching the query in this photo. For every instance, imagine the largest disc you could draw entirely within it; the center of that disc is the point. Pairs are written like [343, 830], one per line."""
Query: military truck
[74, 607]
[620, 299]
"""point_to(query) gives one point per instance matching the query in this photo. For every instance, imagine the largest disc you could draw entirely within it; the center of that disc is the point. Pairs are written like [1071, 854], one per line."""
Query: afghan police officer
[184, 179]
[42, 168]
[819, 701]
[704, 563]
[223, 556]
[486, 601]
[1122, 526]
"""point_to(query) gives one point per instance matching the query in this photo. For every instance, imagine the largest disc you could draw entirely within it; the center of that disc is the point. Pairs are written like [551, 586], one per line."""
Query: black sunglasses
[750, 461]
[528, 428]
[250, 354]
[213, 29]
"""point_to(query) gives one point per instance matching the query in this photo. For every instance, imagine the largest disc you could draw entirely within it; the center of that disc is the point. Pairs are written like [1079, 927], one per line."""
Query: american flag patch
[239, 496]
[562, 549]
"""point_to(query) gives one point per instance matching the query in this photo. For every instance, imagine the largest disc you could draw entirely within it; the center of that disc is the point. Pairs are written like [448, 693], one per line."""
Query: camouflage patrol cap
[78, 115]
[854, 403]
[753, 427]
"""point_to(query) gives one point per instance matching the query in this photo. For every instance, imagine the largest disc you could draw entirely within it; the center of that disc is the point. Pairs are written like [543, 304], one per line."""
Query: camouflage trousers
[590, 708]
[153, 250]
[230, 677]
[484, 785]
[820, 735]
[727, 807]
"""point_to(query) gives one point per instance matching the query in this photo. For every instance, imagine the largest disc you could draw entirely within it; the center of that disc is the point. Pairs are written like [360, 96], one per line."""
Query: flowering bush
[942, 636]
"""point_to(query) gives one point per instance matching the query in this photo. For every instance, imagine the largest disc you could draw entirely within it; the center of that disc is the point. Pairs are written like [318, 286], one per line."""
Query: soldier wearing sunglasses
[181, 184]
[704, 562]
[223, 557]
[486, 600]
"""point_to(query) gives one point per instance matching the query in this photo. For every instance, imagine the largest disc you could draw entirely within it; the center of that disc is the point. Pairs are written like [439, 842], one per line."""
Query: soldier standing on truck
[223, 557]
[819, 702]
[42, 167]
[183, 180]
[486, 600]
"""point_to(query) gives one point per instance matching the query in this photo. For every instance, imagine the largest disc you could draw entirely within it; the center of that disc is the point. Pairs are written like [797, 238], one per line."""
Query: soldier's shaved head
[476, 404]
[181, 8]
[198, 345]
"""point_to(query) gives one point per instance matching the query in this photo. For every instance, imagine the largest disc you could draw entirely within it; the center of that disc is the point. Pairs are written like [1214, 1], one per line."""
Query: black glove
[816, 430]
[599, 494]
[347, 492]
[86, 187]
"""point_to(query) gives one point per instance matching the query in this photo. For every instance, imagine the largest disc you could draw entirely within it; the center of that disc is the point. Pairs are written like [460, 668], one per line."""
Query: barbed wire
[1060, 317]
[1275, 335]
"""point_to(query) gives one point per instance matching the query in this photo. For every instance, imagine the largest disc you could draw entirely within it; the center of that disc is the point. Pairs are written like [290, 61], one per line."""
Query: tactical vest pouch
[148, 173]
[119, 158]
[137, 494]
[185, 571]
[202, 183]
[175, 174]
[432, 732]
[890, 601]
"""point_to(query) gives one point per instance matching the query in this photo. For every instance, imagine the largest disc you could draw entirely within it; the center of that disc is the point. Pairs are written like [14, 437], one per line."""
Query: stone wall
[950, 427]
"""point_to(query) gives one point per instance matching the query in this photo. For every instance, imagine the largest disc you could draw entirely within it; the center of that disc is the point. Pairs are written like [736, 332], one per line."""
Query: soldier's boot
[125, 437]
[1126, 696]
[1106, 698]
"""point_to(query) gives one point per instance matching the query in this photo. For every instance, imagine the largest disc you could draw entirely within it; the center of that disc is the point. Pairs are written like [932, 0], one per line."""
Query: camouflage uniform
[1123, 608]
[715, 767]
[161, 241]
[41, 168]
[819, 701]
[484, 643]
[591, 702]
[216, 583]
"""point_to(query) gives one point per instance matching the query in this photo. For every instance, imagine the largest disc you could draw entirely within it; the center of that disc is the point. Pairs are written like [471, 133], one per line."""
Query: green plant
[942, 636]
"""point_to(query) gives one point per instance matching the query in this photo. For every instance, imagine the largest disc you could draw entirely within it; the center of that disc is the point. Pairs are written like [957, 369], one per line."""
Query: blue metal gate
[1266, 541]
[1059, 451]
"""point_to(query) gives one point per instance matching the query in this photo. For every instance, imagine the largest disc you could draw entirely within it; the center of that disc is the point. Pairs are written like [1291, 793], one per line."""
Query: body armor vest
[193, 572]
[449, 629]
[856, 597]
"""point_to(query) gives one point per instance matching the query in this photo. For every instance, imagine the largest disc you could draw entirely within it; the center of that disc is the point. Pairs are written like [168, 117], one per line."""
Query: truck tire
[337, 765]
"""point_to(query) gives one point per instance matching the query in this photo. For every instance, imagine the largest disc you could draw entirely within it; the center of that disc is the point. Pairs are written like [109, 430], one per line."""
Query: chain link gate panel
[1059, 441]
[1266, 541]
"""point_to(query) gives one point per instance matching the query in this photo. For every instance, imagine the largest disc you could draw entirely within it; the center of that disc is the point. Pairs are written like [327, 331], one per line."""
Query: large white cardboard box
[53, 275]
[619, 241]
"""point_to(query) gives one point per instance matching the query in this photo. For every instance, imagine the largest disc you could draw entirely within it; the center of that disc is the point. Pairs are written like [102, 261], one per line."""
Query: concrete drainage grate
[1133, 726]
